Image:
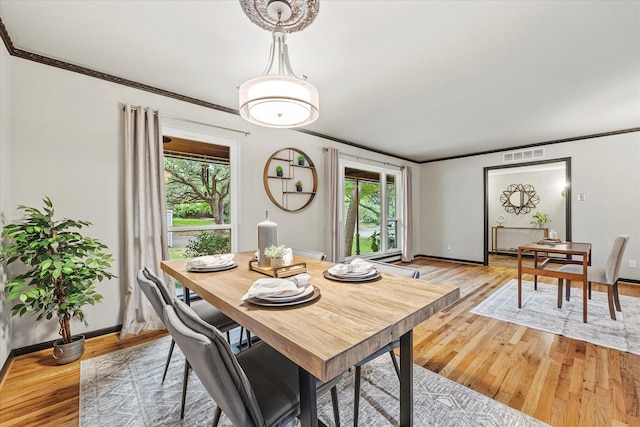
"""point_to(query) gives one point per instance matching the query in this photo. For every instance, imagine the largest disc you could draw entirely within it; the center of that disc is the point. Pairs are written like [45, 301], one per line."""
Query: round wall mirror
[519, 198]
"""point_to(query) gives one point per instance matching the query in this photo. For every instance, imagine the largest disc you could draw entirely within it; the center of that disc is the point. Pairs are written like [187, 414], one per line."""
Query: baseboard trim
[465, 261]
[5, 367]
[622, 279]
[48, 344]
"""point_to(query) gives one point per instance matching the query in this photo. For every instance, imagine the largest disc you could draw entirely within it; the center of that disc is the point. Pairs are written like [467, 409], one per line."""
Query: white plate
[303, 293]
[355, 275]
[210, 268]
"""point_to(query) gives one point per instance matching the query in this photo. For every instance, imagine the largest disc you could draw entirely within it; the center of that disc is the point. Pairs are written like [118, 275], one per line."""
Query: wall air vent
[523, 155]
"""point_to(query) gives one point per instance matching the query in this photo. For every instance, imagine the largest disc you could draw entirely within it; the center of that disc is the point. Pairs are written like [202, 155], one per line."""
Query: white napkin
[277, 287]
[357, 267]
[209, 261]
[287, 258]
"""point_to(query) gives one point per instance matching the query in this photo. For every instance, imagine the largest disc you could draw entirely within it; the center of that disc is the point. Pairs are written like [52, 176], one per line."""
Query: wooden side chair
[608, 275]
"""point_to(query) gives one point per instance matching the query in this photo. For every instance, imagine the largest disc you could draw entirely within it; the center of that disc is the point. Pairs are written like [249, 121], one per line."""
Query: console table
[494, 235]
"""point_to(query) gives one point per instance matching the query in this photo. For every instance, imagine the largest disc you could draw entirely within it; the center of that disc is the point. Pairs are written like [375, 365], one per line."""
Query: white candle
[267, 236]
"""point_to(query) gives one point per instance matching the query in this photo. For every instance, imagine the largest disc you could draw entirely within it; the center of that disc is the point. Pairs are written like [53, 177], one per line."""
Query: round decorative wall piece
[519, 198]
[290, 179]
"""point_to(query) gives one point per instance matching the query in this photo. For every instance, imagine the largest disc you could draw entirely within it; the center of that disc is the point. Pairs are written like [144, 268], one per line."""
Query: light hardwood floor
[560, 381]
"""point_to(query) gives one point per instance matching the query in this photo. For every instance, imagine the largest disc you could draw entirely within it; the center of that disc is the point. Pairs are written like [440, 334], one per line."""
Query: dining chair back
[612, 268]
[398, 270]
[607, 275]
[258, 387]
[158, 295]
[309, 254]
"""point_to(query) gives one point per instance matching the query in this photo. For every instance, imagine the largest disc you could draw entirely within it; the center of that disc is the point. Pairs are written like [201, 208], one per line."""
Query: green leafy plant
[540, 218]
[299, 185]
[279, 170]
[208, 243]
[62, 266]
[301, 160]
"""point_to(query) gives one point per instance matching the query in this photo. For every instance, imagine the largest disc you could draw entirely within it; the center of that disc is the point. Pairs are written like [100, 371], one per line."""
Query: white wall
[5, 190]
[606, 170]
[66, 144]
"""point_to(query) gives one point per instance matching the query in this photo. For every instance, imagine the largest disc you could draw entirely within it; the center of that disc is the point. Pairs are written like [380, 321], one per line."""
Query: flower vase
[276, 263]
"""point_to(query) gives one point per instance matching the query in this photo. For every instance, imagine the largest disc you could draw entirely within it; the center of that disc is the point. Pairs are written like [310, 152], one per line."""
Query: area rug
[124, 388]
[539, 311]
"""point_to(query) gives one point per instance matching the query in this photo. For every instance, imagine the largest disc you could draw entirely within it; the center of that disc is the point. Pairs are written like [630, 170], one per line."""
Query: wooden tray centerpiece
[284, 271]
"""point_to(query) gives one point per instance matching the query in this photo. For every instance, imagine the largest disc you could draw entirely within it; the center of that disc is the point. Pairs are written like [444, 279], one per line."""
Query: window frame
[383, 172]
[209, 134]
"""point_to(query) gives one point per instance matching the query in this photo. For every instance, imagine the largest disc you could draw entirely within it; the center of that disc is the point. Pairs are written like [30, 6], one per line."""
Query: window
[200, 193]
[371, 210]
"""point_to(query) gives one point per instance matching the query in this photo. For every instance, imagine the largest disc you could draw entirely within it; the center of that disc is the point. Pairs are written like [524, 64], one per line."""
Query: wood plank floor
[560, 381]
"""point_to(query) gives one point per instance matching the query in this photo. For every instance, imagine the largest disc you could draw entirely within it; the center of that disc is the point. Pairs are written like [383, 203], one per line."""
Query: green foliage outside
[208, 243]
[191, 210]
[62, 267]
[192, 222]
[198, 188]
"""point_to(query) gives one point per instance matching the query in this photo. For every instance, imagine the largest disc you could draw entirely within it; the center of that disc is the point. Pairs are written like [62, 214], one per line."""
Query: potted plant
[301, 160]
[299, 185]
[62, 267]
[275, 254]
[540, 219]
[278, 170]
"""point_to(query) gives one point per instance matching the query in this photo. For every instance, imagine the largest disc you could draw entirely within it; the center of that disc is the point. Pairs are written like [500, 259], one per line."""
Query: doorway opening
[516, 197]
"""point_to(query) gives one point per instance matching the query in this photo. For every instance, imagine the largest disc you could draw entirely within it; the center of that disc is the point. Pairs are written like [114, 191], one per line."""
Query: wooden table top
[326, 337]
[561, 248]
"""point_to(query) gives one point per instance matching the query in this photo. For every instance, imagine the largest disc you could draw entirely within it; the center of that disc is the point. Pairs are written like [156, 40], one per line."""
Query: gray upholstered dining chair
[398, 270]
[309, 254]
[257, 387]
[158, 295]
[608, 275]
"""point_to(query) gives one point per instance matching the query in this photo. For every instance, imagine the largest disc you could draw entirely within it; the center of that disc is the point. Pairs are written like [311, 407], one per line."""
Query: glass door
[370, 210]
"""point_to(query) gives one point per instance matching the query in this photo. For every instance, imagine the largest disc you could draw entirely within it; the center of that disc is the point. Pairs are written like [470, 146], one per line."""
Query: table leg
[535, 265]
[584, 287]
[308, 401]
[519, 278]
[186, 295]
[406, 379]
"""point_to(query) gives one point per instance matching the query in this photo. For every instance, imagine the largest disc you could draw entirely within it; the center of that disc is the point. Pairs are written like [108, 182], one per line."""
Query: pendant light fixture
[279, 98]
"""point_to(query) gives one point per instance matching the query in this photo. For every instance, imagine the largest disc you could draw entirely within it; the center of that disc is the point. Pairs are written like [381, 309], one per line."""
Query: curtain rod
[166, 116]
[325, 149]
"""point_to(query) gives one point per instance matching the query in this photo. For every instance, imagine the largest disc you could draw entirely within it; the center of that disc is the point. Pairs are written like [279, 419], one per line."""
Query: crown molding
[23, 54]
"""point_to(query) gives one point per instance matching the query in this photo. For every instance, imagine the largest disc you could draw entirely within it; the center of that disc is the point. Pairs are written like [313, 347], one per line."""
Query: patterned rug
[539, 311]
[124, 389]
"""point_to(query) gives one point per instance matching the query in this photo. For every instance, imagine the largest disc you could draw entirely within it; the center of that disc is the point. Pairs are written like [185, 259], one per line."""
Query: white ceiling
[421, 80]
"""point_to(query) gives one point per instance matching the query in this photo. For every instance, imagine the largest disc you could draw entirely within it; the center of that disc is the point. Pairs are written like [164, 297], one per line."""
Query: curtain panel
[332, 203]
[145, 223]
[407, 216]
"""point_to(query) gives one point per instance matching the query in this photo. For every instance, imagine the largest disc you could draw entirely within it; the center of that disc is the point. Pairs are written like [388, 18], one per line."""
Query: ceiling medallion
[303, 13]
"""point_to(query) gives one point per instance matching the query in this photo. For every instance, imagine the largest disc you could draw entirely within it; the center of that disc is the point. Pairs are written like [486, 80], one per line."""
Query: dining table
[564, 254]
[342, 325]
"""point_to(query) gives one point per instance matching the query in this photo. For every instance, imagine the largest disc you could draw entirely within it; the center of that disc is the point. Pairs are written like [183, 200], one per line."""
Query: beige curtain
[332, 204]
[407, 216]
[145, 220]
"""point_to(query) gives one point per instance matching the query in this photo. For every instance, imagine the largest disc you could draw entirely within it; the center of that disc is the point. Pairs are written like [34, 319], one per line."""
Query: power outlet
[632, 263]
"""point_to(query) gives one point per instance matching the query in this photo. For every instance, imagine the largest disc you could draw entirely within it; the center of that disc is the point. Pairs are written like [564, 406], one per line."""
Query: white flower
[275, 251]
